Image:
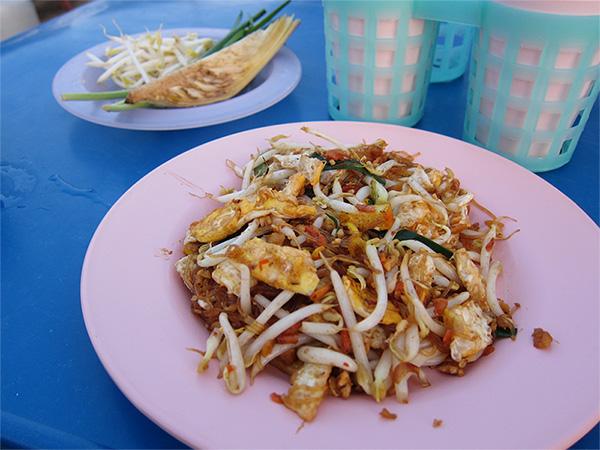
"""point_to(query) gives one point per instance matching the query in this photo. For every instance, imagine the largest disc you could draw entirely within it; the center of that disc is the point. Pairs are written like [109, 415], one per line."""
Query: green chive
[407, 235]
[348, 164]
[110, 95]
[506, 332]
[260, 170]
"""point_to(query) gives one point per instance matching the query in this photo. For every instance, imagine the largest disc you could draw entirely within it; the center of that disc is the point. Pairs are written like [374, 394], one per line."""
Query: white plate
[137, 314]
[272, 84]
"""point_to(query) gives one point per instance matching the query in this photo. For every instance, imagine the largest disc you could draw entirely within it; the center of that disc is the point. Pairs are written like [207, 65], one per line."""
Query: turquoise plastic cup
[452, 51]
[533, 78]
[379, 59]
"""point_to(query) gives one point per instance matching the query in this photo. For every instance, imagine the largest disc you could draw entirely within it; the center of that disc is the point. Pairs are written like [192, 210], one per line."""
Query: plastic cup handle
[464, 12]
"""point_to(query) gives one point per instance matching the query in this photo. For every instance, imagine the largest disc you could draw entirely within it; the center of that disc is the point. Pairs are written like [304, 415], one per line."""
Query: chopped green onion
[110, 95]
[260, 170]
[406, 235]
[334, 219]
[347, 164]
[379, 193]
[506, 332]
[122, 106]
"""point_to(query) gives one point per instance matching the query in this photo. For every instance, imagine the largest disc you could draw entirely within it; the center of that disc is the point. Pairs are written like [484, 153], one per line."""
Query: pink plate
[138, 315]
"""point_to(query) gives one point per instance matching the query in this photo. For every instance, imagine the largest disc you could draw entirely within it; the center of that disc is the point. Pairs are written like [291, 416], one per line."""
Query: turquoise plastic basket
[379, 60]
[533, 79]
[452, 51]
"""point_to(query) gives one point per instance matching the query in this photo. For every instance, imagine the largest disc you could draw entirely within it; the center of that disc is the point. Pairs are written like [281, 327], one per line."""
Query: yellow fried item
[471, 277]
[282, 267]
[224, 221]
[371, 217]
[228, 275]
[309, 386]
[471, 333]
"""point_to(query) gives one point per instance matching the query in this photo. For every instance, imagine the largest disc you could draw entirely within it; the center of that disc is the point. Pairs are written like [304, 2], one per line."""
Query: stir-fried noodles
[349, 268]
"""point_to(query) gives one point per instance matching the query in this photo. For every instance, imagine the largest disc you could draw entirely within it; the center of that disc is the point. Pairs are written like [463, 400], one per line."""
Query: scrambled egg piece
[471, 277]
[421, 267]
[282, 267]
[309, 386]
[229, 276]
[310, 168]
[471, 332]
[419, 216]
[378, 217]
[187, 268]
[224, 221]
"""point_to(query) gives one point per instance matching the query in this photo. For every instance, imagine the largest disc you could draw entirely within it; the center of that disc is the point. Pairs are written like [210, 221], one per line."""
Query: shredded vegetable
[134, 60]
[346, 282]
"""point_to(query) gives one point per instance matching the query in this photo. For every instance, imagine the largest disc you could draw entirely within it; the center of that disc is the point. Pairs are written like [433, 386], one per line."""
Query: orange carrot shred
[440, 305]
[276, 398]
[447, 336]
[345, 344]
[319, 293]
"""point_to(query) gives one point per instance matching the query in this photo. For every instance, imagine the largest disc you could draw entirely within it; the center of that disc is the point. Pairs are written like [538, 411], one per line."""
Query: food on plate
[541, 338]
[352, 268]
[188, 71]
[388, 415]
[133, 61]
[219, 76]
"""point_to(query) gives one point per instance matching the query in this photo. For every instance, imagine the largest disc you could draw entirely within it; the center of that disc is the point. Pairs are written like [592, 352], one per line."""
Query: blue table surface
[61, 174]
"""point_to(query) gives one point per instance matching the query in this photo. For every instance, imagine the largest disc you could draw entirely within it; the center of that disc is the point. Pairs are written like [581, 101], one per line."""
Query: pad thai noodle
[350, 268]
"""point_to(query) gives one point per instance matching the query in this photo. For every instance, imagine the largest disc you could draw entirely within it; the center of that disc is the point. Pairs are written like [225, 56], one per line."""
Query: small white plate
[272, 84]
[137, 313]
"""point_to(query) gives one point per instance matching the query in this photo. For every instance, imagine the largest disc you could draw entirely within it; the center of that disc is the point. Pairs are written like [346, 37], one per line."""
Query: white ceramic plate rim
[137, 315]
[275, 82]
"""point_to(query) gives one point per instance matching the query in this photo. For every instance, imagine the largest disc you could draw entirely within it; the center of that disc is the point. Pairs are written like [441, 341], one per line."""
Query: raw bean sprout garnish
[159, 71]
[351, 268]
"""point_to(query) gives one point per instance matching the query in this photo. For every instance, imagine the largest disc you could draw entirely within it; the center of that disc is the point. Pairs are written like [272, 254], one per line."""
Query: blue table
[60, 175]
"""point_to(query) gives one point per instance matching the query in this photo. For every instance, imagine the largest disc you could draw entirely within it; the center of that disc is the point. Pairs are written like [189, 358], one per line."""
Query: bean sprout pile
[350, 268]
[137, 60]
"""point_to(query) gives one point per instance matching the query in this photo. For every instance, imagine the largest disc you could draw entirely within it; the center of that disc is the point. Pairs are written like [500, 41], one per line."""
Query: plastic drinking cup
[379, 60]
[452, 51]
[533, 78]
